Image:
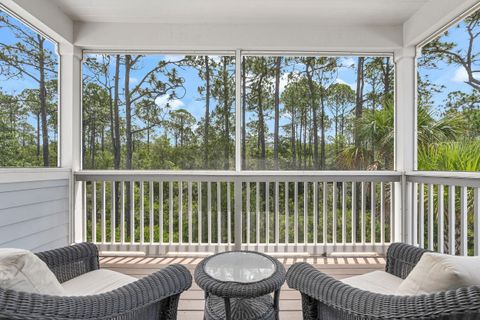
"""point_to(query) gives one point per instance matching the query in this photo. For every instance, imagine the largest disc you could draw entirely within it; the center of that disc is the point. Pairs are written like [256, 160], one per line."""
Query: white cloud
[460, 75]
[351, 85]
[133, 80]
[347, 62]
[162, 102]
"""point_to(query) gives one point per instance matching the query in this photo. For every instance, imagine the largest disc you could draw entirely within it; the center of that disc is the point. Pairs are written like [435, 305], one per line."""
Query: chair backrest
[70, 262]
[402, 258]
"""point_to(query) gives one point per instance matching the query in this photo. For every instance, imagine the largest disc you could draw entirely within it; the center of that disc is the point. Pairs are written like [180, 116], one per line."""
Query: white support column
[70, 130]
[405, 138]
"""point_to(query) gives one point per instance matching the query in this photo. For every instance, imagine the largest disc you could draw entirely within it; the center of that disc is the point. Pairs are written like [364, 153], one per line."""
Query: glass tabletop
[243, 267]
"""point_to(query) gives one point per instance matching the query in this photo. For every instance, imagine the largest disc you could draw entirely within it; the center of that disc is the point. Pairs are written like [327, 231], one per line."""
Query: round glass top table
[243, 267]
[240, 285]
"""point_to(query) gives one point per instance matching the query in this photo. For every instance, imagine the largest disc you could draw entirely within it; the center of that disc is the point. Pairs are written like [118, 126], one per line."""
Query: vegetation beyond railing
[216, 210]
[445, 211]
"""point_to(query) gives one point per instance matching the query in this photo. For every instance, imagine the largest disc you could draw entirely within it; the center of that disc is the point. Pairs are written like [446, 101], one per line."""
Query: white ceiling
[326, 12]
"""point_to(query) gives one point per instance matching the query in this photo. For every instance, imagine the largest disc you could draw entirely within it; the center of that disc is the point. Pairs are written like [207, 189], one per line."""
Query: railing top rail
[162, 175]
[465, 179]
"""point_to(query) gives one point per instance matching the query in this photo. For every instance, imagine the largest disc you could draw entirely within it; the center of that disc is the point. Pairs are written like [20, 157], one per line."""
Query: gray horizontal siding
[34, 215]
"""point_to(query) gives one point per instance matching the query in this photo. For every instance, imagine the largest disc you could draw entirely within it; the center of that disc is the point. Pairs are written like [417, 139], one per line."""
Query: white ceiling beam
[304, 37]
[45, 16]
[432, 17]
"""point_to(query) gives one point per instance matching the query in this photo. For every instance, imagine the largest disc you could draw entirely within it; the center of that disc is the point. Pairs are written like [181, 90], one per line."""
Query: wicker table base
[241, 309]
[240, 289]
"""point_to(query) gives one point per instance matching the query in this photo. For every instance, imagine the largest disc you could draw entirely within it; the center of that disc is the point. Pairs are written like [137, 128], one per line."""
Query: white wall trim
[229, 37]
[435, 17]
[9, 175]
[45, 16]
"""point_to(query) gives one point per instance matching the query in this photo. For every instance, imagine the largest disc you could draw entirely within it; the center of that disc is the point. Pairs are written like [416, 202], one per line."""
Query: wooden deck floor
[191, 303]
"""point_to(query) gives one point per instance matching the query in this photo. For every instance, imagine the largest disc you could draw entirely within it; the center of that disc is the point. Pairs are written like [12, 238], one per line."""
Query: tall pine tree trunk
[226, 106]
[207, 112]
[116, 102]
[129, 147]
[276, 141]
[322, 142]
[293, 140]
[311, 86]
[359, 109]
[43, 100]
[244, 113]
[261, 124]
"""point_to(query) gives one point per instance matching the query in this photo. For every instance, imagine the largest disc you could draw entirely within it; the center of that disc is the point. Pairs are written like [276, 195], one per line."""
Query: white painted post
[405, 137]
[70, 130]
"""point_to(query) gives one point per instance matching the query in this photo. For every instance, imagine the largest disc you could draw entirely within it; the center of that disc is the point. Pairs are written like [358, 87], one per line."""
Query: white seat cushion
[377, 281]
[21, 270]
[95, 282]
[437, 272]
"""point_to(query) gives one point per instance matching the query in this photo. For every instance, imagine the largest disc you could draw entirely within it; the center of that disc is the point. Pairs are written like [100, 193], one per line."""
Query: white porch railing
[315, 212]
[444, 211]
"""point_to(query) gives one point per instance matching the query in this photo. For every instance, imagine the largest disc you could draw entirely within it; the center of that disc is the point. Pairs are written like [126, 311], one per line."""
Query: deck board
[191, 302]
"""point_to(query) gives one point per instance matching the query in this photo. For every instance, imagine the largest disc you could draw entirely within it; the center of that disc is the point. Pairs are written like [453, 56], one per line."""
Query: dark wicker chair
[325, 298]
[153, 297]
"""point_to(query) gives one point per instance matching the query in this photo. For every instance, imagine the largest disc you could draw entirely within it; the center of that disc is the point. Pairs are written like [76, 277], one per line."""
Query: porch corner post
[70, 131]
[405, 139]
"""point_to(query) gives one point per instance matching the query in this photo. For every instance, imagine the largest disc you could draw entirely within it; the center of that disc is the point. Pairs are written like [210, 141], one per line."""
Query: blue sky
[450, 76]
[17, 85]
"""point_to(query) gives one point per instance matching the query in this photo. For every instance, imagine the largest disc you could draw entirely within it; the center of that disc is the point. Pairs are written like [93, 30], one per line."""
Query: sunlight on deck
[191, 303]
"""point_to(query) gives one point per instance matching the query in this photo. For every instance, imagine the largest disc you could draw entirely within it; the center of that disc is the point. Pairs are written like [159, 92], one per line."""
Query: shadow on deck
[191, 303]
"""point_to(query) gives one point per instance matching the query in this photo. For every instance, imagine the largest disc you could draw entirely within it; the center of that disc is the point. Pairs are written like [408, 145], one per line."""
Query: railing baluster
[142, 212]
[421, 227]
[354, 212]
[229, 213]
[219, 212]
[344, 212]
[441, 208]
[414, 213]
[247, 209]
[430, 216]
[295, 217]
[122, 212]
[476, 221]
[315, 212]
[180, 212]
[305, 212]
[287, 212]
[94, 211]
[209, 212]
[382, 213]
[373, 209]
[464, 221]
[170, 212]
[84, 211]
[160, 212]
[103, 217]
[112, 214]
[451, 219]
[199, 212]
[150, 208]
[363, 217]
[392, 213]
[132, 212]
[277, 213]
[190, 214]
[267, 212]
[257, 209]
[325, 208]
[334, 212]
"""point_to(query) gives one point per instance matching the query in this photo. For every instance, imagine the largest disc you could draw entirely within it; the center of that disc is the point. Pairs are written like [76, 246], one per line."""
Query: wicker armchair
[153, 297]
[326, 298]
